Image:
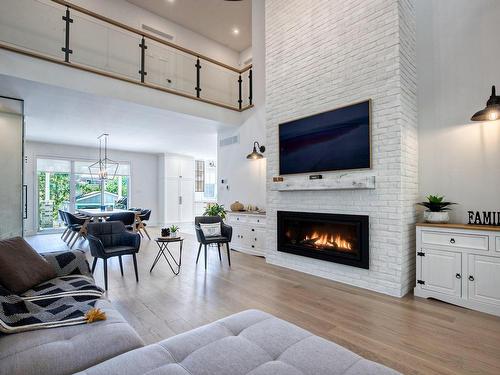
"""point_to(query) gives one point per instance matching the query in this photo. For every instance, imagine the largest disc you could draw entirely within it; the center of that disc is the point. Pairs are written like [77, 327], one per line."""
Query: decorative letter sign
[484, 218]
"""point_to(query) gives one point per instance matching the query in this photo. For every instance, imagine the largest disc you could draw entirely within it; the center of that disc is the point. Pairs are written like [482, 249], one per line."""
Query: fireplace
[332, 237]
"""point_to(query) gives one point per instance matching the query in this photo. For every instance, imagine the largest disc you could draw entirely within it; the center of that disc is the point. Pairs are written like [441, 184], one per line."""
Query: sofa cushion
[21, 267]
[251, 342]
[66, 350]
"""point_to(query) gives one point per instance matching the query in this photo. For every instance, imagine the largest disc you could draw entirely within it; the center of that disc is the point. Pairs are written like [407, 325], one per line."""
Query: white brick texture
[323, 54]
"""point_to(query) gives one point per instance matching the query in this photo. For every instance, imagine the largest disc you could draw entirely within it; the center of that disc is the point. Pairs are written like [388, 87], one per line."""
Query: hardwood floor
[411, 335]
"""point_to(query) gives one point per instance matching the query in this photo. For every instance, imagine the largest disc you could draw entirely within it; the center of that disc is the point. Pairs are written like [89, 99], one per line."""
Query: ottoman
[251, 342]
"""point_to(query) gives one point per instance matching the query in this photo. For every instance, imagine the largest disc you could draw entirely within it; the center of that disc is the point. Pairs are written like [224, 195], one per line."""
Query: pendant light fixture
[254, 155]
[104, 168]
[492, 110]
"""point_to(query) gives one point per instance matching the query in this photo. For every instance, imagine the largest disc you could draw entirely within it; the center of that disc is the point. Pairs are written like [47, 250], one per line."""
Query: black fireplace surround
[333, 237]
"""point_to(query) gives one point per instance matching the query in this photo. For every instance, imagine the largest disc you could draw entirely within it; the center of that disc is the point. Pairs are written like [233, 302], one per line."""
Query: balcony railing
[63, 33]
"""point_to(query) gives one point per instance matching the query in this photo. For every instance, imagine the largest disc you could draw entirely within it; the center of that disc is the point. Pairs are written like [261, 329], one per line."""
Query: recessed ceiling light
[236, 31]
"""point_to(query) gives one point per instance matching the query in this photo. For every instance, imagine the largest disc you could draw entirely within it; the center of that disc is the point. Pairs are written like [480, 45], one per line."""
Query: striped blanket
[58, 302]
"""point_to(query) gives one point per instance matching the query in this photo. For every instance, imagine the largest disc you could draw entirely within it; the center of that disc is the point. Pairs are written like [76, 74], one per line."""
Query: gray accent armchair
[112, 239]
[224, 238]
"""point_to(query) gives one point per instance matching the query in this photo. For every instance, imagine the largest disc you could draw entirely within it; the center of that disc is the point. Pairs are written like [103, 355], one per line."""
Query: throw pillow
[211, 230]
[21, 267]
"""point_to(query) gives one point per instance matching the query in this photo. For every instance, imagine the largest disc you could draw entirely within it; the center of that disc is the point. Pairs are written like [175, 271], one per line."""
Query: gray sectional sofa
[251, 342]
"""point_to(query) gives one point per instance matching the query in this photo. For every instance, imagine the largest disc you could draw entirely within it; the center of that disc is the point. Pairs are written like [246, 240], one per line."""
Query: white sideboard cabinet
[249, 232]
[459, 264]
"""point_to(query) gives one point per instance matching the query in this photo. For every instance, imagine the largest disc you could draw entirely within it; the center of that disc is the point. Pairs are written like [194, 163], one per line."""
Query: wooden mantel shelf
[461, 226]
[342, 183]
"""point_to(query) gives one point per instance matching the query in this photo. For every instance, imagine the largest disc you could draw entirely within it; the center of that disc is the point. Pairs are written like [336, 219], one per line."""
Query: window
[67, 185]
[205, 180]
[199, 177]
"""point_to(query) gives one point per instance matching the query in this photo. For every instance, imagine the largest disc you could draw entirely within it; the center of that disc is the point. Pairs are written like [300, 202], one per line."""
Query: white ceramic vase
[436, 217]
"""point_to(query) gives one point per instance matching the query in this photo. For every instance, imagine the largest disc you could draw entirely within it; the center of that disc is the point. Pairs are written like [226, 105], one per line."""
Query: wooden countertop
[461, 226]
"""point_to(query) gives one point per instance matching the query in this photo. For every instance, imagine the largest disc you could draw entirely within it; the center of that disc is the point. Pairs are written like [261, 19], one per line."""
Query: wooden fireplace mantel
[328, 183]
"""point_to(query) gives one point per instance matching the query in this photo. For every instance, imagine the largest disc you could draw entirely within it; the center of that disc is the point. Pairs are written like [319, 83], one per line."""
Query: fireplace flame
[325, 240]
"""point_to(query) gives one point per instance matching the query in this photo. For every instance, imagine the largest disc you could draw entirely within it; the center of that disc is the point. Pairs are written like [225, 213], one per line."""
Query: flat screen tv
[328, 141]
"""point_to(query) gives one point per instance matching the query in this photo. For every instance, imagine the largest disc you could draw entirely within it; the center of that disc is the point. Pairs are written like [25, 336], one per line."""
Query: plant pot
[173, 234]
[436, 217]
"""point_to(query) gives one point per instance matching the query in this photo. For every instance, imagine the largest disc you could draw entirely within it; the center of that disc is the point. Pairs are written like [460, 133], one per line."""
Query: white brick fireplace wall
[323, 54]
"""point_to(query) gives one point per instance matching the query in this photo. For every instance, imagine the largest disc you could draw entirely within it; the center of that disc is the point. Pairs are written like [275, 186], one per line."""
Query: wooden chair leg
[205, 257]
[228, 254]
[198, 256]
[94, 263]
[218, 248]
[135, 268]
[105, 273]
[145, 231]
[121, 264]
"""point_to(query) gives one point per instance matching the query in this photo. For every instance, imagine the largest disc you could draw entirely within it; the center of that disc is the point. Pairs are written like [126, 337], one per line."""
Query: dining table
[97, 213]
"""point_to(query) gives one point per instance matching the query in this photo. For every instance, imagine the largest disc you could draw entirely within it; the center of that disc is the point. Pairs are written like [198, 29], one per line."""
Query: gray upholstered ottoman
[251, 342]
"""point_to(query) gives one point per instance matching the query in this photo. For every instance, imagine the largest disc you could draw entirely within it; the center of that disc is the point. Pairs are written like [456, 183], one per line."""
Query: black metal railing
[100, 45]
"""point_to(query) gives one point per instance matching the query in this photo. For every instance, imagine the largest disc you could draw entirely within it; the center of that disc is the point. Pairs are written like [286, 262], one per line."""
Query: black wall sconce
[492, 110]
[254, 155]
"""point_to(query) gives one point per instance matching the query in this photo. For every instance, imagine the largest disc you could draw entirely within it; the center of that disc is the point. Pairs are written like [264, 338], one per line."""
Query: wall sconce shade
[492, 110]
[254, 155]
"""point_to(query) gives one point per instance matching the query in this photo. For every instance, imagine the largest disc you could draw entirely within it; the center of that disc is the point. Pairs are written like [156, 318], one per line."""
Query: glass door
[67, 185]
[11, 165]
[53, 181]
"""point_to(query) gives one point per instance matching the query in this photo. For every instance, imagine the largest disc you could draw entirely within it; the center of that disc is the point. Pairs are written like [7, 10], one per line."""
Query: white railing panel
[32, 25]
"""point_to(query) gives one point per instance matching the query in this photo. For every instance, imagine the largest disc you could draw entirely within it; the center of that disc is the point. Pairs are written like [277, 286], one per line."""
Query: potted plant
[173, 230]
[215, 209]
[437, 209]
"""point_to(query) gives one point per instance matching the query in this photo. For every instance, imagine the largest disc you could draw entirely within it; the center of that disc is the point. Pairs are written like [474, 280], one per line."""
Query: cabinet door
[186, 168]
[239, 235]
[172, 200]
[484, 279]
[187, 200]
[172, 167]
[442, 272]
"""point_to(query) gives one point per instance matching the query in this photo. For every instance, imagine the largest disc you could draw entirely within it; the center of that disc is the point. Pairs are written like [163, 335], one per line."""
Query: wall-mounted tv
[328, 141]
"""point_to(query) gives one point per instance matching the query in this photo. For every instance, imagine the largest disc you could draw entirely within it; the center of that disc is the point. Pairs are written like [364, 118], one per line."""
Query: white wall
[143, 168]
[325, 54]
[458, 59]
[247, 178]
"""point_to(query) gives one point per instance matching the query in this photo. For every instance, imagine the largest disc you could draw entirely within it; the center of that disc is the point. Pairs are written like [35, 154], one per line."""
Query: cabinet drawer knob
[471, 278]
[458, 276]
[452, 240]
[253, 230]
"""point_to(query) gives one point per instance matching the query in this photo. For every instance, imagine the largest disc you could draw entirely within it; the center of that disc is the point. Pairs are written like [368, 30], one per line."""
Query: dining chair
[127, 218]
[112, 239]
[77, 227]
[141, 222]
[224, 238]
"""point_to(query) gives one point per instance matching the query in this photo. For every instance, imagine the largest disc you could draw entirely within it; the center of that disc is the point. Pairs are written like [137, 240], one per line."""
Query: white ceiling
[63, 116]
[214, 19]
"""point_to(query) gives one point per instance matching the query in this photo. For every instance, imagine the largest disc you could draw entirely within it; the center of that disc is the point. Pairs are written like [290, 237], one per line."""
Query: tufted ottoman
[251, 342]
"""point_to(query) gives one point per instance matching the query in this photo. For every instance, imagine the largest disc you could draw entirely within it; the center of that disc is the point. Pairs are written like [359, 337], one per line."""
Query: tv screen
[328, 141]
